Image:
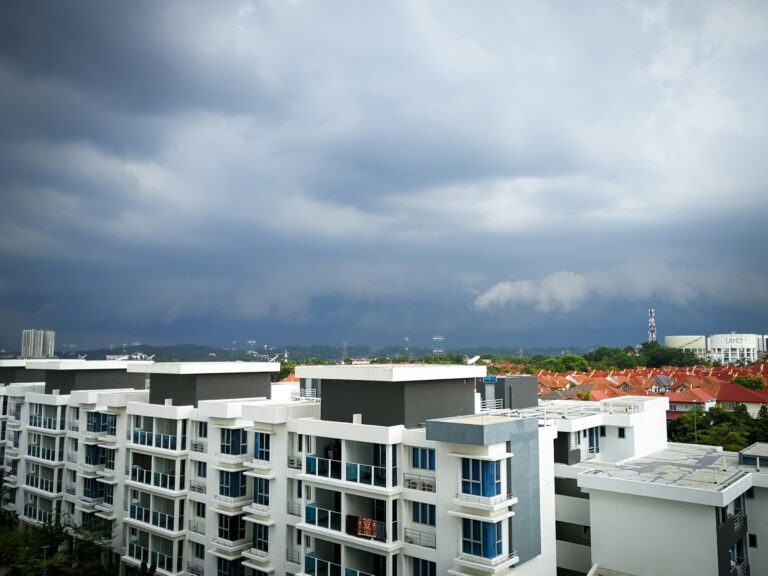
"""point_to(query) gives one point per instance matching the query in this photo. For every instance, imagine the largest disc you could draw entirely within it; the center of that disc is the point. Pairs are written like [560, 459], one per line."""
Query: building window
[261, 491]
[750, 492]
[202, 429]
[261, 446]
[481, 538]
[424, 567]
[480, 477]
[622, 432]
[232, 484]
[424, 458]
[202, 469]
[198, 551]
[424, 513]
[231, 528]
[602, 431]
[229, 567]
[753, 540]
[200, 509]
[261, 537]
[234, 441]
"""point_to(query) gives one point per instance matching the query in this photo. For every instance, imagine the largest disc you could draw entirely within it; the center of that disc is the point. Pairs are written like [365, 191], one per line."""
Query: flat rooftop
[759, 450]
[13, 363]
[574, 409]
[679, 465]
[192, 368]
[76, 365]
[391, 372]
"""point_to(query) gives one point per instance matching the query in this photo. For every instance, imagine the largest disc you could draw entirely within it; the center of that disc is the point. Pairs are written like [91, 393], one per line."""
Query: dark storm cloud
[187, 170]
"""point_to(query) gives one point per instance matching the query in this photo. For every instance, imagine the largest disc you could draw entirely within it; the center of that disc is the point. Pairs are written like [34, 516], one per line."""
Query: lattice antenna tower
[407, 349]
[651, 325]
[344, 346]
[437, 346]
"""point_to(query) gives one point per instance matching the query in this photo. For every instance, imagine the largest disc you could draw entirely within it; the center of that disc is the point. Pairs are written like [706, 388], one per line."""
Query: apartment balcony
[197, 526]
[232, 459]
[153, 519]
[108, 439]
[314, 566]
[74, 426]
[294, 508]
[71, 490]
[295, 462]
[72, 457]
[260, 557]
[106, 472]
[12, 450]
[164, 442]
[418, 482]
[90, 469]
[47, 424]
[34, 515]
[49, 455]
[490, 565]
[366, 528]
[323, 467]
[156, 479]
[256, 509]
[196, 568]
[740, 569]
[257, 464]
[198, 486]
[293, 556]
[487, 503]
[43, 484]
[13, 424]
[367, 474]
[11, 479]
[200, 446]
[420, 538]
[322, 518]
[231, 547]
[232, 501]
[106, 510]
[92, 434]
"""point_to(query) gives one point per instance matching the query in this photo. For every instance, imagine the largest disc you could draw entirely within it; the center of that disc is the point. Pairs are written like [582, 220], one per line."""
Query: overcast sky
[500, 173]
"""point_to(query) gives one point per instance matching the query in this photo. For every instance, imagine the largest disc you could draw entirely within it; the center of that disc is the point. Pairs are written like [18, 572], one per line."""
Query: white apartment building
[373, 471]
[724, 348]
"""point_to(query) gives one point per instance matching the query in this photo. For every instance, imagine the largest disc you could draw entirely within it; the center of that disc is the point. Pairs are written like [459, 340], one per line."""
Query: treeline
[734, 429]
[51, 550]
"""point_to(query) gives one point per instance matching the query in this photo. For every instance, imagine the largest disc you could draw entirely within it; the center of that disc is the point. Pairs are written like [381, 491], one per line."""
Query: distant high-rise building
[37, 343]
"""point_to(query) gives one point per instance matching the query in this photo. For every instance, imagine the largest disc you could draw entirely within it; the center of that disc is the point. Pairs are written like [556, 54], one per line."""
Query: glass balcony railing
[324, 467]
[366, 474]
[139, 513]
[139, 553]
[322, 518]
[314, 566]
[143, 475]
[162, 520]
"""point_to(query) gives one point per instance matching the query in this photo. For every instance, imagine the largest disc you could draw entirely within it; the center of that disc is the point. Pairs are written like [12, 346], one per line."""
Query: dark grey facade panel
[569, 572]
[394, 403]
[728, 533]
[179, 388]
[524, 471]
[13, 375]
[66, 381]
[563, 452]
[573, 533]
[437, 399]
[380, 403]
[189, 389]
[477, 433]
[569, 487]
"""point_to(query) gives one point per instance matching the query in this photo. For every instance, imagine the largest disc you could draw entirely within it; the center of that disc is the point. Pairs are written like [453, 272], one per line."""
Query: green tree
[751, 382]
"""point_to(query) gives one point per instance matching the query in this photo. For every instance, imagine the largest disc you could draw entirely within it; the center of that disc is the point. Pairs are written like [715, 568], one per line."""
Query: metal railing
[196, 568]
[366, 474]
[486, 500]
[418, 482]
[306, 395]
[314, 566]
[426, 539]
[198, 486]
[199, 446]
[292, 556]
[295, 462]
[495, 561]
[233, 458]
[294, 508]
[197, 526]
[242, 498]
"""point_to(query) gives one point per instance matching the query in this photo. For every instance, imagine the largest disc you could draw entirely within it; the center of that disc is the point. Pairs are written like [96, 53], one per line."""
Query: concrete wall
[189, 389]
[652, 537]
[523, 472]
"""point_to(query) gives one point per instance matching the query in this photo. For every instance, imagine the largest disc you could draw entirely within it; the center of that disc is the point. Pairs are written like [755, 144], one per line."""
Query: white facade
[724, 348]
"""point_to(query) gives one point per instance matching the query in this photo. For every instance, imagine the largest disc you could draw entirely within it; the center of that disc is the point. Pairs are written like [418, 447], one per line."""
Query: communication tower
[437, 346]
[651, 325]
